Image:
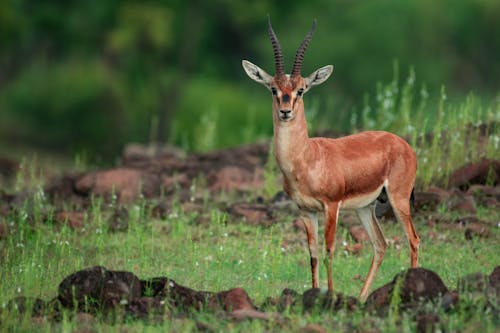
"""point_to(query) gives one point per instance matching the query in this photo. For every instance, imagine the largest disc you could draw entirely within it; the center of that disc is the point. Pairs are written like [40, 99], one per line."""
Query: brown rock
[481, 172]
[120, 286]
[125, 183]
[184, 299]
[76, 220]
[416, 284]
[359, 234]
[450, 300]
[431, 198]
[494, 277]
[232, 300]
[235, 178]
[493, 289]
[287, 299]
[145, 308]
[93, 287]
[476, 230]
[462, 202]
[315, 299]
[253, 213]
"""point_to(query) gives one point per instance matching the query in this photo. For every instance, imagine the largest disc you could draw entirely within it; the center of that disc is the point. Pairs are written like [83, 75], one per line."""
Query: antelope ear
[318, 76]
[256, 73]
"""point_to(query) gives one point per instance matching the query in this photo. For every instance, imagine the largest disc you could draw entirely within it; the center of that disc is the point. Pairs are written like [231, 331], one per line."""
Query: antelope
[323, 175]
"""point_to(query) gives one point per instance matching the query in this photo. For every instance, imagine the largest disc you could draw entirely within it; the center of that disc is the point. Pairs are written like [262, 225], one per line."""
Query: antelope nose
[285, 113]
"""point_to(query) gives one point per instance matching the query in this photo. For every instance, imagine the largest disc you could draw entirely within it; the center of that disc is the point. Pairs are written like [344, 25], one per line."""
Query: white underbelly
[361, 200]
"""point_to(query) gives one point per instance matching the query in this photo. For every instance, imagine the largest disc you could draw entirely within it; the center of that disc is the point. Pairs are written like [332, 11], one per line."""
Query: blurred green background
[90, 76]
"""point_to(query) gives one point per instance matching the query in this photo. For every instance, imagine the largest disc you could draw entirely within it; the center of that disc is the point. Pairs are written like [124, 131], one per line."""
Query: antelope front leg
[310, 221]
[331, 216]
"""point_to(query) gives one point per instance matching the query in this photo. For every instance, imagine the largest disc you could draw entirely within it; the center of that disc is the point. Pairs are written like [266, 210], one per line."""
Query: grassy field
[223, 254]
[211, 250]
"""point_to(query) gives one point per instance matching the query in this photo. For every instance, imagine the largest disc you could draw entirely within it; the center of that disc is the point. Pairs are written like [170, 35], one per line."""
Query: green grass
[220, 255]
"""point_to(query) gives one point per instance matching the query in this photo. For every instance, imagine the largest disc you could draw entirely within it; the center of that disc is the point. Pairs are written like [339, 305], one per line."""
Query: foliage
[94, 75]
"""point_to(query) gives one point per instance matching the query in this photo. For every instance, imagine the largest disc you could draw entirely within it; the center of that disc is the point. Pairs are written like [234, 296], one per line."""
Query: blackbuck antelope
[326, 175]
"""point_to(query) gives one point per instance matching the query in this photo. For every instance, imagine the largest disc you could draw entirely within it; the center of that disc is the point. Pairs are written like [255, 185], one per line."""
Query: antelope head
[287, 90]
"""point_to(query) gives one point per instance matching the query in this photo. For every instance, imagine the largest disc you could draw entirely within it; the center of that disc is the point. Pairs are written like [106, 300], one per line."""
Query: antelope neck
[291, 141]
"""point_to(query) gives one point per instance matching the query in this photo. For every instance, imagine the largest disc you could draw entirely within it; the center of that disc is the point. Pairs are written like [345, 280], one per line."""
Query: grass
[220, 255]
[225, 253]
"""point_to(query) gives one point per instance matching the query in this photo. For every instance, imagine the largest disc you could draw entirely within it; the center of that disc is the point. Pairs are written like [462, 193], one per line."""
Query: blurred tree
[95, 74]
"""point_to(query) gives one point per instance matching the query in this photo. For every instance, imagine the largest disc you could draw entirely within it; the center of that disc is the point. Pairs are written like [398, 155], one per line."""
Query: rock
[359, 234]
[90, 289]
[76, 220]
[494, 277]
[256, 214]
[484, 190]
[154, 287]
[482, 172]
[450, 300]
[415, 285]
[60, 190]
[431, 198]
[125, 183]
[77, 288]
[145, 308]
[235, 178]
[315, 299]
[476, 230]
[462, 202]
[288, 298]
[232, 300]
[182, 298]
[185, 299]
[493, 289]
[118, 287]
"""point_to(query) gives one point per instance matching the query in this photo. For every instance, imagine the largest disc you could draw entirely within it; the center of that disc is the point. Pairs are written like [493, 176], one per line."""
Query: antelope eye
[274, 91]
[300, 92]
